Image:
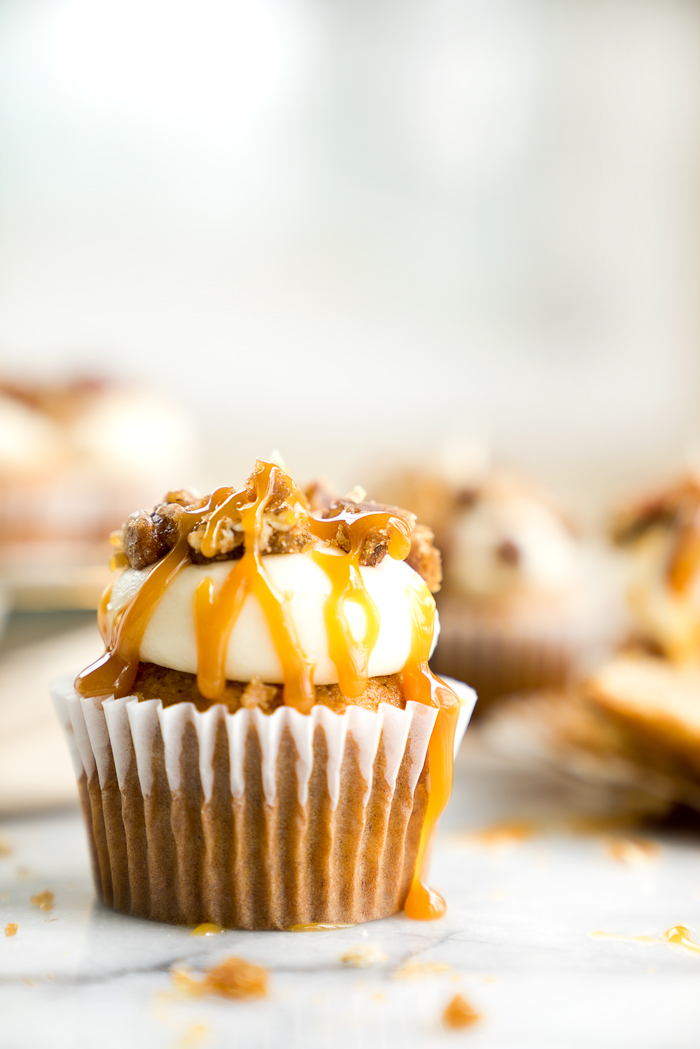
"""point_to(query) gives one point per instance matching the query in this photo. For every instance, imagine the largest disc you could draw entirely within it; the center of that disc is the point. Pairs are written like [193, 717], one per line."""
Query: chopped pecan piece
[144, 543]
[376, 542]
[257, 694]
[228, 541]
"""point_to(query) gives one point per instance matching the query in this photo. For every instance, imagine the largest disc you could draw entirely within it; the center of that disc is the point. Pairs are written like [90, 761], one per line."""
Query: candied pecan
[143, 542]
[376, 542]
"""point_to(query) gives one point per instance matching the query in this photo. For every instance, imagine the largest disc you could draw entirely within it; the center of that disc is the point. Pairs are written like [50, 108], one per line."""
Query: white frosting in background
[29, 442]
[130, 431]
[547, 558]
[169, 637]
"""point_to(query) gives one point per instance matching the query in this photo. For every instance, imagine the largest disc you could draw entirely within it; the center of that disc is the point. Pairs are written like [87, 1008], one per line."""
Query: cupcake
[262, 744]
[75, 455]
[659, 535]
[635, 719]
[517, 608]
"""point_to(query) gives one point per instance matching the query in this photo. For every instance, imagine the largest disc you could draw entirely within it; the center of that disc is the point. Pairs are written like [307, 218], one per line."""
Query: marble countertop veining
[516, 942]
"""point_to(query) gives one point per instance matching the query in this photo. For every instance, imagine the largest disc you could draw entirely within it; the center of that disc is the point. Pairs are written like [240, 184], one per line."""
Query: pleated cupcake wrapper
[250, 820]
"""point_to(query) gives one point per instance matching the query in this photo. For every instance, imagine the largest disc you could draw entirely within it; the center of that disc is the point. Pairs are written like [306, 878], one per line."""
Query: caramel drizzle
[422, 686]
[351, 656]
[216, 614]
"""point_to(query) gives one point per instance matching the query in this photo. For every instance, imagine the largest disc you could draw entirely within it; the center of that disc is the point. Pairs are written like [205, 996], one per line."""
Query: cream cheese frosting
[169, 636]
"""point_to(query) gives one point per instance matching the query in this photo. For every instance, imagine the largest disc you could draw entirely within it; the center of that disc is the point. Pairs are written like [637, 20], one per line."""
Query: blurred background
[355, 231]
[362, 233]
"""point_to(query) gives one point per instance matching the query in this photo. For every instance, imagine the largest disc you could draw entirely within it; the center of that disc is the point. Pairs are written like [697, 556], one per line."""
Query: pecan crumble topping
[145, 537]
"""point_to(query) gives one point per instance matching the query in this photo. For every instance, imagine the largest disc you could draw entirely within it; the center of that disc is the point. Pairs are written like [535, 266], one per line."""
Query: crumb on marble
[195, 1035]
[411, 970]
[25, 873]
[363, 955]
[508, 833]
[5, 847]
[634, 852]
[459, 1013]
[43, 900]
[232, 978]
[11, 929]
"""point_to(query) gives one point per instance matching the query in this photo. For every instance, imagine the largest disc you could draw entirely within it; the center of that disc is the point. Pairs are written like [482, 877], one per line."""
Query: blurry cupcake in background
[659, 535]
[634, 720]
[75, 455]
[521, 606]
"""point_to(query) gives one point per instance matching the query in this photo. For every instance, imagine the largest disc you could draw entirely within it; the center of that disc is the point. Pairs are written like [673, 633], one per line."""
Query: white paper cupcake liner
[251, 820]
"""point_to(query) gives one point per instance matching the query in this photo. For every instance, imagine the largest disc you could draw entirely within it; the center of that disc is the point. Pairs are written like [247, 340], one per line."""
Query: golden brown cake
[262, 745]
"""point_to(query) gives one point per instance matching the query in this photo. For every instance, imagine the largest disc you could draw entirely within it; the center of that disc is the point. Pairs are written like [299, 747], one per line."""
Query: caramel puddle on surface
[634, 852]
[678, 935]
[319, 926]
[598, 935]
[207, 929]
[681, 936]
[498, 834]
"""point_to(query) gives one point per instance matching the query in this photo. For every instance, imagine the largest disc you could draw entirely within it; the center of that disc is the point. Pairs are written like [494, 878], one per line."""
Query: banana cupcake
[262, 744]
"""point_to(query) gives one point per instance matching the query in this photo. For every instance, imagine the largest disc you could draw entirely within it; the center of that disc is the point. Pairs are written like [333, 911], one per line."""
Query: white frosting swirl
[169, 637]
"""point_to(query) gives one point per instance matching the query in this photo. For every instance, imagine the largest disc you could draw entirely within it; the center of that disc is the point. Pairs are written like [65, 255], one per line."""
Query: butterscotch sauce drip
[351, 657]
[113, 673]
[215, 615]
[422, 686]
[102, 617]
[680, 935]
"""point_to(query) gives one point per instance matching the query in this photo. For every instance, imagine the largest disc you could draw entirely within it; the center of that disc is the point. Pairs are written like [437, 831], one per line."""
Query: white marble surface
[516, 942]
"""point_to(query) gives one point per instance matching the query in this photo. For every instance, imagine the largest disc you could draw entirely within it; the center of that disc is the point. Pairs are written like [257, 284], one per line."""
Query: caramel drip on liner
[216, 613]
[422, 686]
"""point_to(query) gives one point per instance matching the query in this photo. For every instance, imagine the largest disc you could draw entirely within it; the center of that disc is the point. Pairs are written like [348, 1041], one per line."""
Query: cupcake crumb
[194, 1036]
[634, 852]
[417, 970]
[11, 929]
[5, 847]
[459, 1013]
[363, 955]
[43, 900]
[232, 978]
